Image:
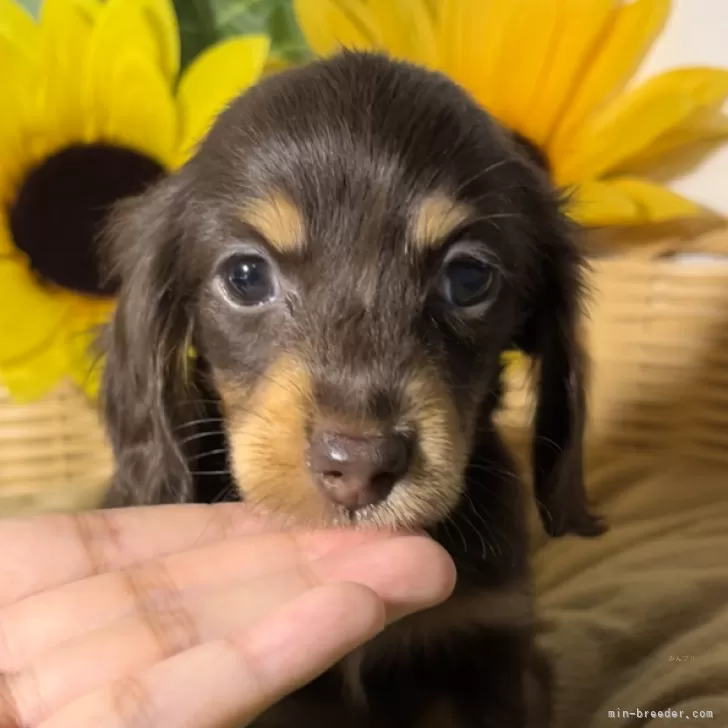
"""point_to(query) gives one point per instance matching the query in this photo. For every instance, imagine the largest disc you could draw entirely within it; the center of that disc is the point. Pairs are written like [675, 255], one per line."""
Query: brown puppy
[349, 254]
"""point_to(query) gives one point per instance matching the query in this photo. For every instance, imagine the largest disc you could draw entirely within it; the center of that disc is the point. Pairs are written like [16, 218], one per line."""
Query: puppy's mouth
[340, 472]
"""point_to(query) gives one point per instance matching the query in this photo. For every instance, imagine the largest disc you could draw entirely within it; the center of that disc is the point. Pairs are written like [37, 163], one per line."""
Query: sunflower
[94, 110]
[555, 71]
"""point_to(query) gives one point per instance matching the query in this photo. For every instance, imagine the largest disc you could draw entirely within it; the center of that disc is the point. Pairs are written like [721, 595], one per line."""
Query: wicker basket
[53, 454]
[657, 334]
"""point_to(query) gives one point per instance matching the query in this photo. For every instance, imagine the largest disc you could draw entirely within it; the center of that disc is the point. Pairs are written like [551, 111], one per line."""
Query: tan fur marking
[435, 477]
[436, 218]
[278, 220]
[268, 442]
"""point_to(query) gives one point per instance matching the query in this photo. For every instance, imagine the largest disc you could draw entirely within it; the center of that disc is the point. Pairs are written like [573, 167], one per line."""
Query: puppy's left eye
[250, 280]
[466, 282]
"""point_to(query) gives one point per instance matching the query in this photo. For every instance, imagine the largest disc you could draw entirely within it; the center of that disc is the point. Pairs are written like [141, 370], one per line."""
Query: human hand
[195, 616]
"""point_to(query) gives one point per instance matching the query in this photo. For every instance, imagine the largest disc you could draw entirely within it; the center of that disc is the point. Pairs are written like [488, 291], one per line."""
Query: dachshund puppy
[338, 271]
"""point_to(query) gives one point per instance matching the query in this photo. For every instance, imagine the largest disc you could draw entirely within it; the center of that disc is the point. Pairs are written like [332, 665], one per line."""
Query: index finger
[41, 552]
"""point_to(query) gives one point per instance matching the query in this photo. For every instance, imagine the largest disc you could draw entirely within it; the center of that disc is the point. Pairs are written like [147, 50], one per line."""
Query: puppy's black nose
[356, 472]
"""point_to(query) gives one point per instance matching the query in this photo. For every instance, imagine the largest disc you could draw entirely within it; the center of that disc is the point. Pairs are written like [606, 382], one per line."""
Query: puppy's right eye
[250, 280]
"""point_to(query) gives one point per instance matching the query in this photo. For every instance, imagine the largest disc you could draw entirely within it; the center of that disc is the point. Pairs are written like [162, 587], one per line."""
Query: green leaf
[285, 33]
[197, 28]
[274, 17]
[32, 6]
[203, 22]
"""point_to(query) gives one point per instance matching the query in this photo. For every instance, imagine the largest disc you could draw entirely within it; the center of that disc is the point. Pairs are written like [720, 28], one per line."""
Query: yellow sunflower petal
[656, 203]
[214, 79]
[38, 375]
[275, 64]
[479, 63]
[628, 201]
[559, 39]
[141, 112]
[87, 377]
[84, 361]
[450, 35]
[42, 312]
[145, 27]
[65, 33]
[406, 30]
[17, 25]
[709, 128]
[635, 27]
[19, 59]
[597, 204]
[141, 29]
[522, 73]
[638, 119]
[7, 247]
[329, 25]
[162, 19]
[17, 94]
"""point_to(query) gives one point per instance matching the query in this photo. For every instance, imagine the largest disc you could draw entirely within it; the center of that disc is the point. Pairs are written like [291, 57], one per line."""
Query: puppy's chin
[409, 506]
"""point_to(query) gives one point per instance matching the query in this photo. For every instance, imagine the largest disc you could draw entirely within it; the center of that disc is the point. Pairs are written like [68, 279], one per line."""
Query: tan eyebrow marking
[277, 219]
[435, 218]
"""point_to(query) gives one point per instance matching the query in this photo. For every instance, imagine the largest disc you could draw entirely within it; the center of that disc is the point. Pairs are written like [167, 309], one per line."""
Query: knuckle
[161, 607]
[132, 704]
[97, 536]
[151, 584]
[172, 630]
[248, 664]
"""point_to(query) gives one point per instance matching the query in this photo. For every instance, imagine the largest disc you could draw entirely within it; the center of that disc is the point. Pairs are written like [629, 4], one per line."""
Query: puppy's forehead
[339, 147]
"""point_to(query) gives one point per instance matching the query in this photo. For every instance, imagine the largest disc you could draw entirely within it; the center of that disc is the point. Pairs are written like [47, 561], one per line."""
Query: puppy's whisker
[478, 533]
[451, 520]
[224, 494]
[211, 472]
[207, 453]
[202, 421]
[549, 441]
[476, 512]
[481, 174]
[202, 435]
[197, 402]
[491, 468]
[500, 498]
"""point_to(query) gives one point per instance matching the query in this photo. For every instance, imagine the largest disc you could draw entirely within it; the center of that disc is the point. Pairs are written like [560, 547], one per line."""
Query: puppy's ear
[550, 336]
[146, 350]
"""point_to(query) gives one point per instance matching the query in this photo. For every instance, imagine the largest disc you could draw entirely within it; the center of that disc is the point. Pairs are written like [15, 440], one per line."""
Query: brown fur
[356, 178]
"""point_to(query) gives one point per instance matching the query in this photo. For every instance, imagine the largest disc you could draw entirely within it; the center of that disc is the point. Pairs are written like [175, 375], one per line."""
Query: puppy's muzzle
[355, 472]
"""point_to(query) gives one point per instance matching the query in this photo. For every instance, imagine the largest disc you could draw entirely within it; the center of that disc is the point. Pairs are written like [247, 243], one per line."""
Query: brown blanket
[637, 621]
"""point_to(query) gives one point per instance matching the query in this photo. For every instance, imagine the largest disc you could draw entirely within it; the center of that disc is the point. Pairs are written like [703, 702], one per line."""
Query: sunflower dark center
[59, 212]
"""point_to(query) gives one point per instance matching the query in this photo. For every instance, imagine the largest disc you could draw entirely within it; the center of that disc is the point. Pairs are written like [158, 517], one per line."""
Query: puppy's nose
[357, 472]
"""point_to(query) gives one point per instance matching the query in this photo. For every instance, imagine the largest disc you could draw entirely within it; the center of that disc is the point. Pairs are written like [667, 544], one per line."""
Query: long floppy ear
[146, 351]
[550, 336]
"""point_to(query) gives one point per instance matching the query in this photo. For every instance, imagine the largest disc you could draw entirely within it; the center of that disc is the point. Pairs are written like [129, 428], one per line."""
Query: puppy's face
[352, 336]
[350, 252]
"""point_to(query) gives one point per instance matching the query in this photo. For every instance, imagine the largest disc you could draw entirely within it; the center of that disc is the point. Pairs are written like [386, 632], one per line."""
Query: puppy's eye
[466, 282]
[250, 280]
